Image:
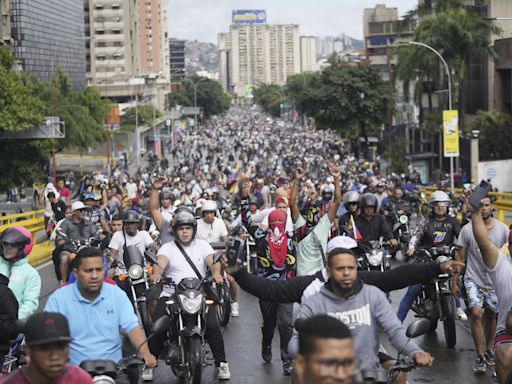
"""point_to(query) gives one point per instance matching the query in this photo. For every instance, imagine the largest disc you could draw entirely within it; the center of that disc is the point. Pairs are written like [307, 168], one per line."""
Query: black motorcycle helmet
[183, 218]
[131, 217]
[368, 200]
[166, 195]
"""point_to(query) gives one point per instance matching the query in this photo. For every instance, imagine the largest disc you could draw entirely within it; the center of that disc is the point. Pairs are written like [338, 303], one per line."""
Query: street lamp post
[452, 184]
[194, 85]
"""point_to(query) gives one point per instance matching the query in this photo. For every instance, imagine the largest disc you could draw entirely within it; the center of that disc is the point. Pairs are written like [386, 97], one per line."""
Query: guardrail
[34, 222]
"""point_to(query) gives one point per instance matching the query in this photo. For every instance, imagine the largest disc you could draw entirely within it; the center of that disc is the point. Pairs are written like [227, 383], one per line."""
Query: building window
[116, 6]
[101, 44]
[118, 43]
[98, 6]
[101, 57]
[116, 18]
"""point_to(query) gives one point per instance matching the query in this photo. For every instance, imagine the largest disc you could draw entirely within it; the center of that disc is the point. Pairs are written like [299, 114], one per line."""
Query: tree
[350, 98]
[269, 97]
[495, 140]
[145, 117]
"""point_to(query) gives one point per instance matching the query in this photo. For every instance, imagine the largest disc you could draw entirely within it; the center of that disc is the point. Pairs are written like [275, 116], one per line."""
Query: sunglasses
[11, 245]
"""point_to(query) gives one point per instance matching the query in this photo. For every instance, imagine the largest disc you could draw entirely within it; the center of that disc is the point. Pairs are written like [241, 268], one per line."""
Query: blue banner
[249, 16]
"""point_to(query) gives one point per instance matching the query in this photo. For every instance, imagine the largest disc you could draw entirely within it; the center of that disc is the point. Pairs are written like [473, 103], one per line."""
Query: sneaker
[266, 353]
[480, 366]
[235, 310]
[287, 368]
[489, 358]
[147, 374]
[223, 372]
[461, 314]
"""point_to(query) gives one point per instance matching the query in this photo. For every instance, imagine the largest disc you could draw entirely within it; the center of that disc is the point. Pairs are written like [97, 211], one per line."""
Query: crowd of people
[307, 203]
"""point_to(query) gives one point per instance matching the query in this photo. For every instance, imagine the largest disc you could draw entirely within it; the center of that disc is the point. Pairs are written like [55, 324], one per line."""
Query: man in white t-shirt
[173, 264]
[130, 235]
[211, 228]
[131, 189]
[499, 268]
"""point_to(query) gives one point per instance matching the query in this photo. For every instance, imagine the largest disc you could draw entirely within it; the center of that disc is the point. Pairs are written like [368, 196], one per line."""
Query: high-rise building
[224, 41]
[308, 54]
[260, 53]
[128, 47]
[177, 58]
[46, 35]
[5, 23]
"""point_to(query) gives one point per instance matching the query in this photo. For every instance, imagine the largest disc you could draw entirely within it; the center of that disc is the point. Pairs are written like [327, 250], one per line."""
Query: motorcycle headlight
[375, 258]
[404, 219]
[442, 259]
[192, 304]
[135, 271]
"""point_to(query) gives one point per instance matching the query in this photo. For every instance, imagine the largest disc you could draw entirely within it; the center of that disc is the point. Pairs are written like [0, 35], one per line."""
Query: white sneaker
[223, 372]
[235, 309]
[147, 374]
[461, 315]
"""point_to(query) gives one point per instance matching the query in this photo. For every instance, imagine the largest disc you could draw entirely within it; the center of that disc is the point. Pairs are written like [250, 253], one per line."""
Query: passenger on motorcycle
[361, 307]
[75, 228]
[8, 316]
[95, 214]
[24, 280]
[47, 347]
[276, 250]
[351, 201]
[436, 230]
[130, 235]
[210, 227]
[381, 193]
[370, 224]
[96, 313]
[173, 264]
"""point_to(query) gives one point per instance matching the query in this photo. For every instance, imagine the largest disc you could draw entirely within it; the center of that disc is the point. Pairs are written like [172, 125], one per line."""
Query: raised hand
[299, 173]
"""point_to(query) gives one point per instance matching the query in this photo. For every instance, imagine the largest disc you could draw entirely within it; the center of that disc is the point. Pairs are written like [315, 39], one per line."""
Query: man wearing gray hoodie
[363, 308]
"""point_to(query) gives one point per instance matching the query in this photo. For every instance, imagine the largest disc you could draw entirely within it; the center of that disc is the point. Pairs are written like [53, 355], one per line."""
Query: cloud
[203, 19]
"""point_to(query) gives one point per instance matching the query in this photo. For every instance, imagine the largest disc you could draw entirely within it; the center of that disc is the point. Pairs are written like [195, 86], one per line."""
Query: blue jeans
[412, 292]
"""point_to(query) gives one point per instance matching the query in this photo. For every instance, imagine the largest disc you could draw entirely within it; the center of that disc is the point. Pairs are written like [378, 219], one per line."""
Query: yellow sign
[451, 133]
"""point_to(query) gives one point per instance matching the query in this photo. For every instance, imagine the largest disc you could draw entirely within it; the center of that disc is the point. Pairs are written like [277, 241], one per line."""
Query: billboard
[112, 118]
[249, 16]
[451, 133]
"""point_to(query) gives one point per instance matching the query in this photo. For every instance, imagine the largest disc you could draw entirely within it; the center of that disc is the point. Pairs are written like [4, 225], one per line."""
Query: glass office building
[47, 34]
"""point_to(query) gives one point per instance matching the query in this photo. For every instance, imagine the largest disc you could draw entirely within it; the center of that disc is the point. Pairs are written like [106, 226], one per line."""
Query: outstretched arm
[333, 209]
[294, 206]
[154, 202]
[488, 250]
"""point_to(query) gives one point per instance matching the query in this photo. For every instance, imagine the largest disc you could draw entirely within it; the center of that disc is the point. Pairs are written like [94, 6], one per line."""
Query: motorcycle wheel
[194, 359]
[433, 325]
[147, 322]
[450, 334]
[224, 306]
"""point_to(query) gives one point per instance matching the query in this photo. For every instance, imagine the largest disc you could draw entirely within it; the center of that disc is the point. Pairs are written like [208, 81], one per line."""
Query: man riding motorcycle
[436, 230]
[173, 264]
[370, 224]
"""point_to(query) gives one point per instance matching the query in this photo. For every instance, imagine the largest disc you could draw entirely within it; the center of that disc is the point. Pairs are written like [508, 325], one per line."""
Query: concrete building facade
[46, 34]
[259, 53]
[308, 61]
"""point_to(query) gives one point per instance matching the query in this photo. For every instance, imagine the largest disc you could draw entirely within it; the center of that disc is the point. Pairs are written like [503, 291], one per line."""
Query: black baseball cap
[45, 328]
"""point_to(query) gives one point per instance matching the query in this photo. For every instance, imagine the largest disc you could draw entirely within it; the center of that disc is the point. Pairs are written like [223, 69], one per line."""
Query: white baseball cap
[77, 205]
[341, 242]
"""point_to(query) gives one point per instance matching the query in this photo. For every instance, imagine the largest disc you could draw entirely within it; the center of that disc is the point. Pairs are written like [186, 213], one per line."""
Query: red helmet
[21, 236]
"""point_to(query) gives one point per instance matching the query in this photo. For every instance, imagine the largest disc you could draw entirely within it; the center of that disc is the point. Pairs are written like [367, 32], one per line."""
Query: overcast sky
[203, 19]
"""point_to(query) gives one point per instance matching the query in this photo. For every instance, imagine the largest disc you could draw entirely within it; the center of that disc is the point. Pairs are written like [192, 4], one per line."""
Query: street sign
[190, 110]
[451, 133]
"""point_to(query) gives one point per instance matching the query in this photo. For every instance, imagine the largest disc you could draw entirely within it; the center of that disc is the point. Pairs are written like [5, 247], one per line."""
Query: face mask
[277, 232]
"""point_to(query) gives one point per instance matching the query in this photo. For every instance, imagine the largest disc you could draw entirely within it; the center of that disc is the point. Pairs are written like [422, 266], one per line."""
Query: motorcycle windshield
[188, 283]
[132, 255]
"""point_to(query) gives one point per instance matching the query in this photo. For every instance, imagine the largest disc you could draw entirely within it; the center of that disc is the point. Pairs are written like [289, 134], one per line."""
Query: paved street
[243, 337]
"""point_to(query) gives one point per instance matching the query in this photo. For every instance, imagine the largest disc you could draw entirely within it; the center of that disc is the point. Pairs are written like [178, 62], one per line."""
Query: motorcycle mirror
[418, 328]
[216, 257]
[150, 256]
[160, 325]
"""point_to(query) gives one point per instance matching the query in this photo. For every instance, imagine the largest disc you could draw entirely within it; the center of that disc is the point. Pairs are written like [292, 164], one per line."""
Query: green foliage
[395, 156]
[495, 139]
[145, 117]
[269, 97]
[19, 110]
[211, 98]
[351, 99]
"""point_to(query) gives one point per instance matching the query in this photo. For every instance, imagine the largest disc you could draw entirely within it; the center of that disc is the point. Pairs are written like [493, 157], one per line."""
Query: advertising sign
[451, 133]
[249, 16]
[112, 118]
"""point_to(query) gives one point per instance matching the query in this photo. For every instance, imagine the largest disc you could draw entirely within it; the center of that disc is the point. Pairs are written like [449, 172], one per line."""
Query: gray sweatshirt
[363, 312]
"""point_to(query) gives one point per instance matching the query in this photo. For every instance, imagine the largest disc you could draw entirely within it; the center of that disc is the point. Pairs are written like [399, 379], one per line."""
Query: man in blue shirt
[97, 313]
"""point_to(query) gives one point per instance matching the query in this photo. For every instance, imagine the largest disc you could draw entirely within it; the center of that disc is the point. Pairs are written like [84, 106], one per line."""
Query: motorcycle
[401, 232]
[373, 257]
[106, 371]
[435, 301]
[137, 280]
[187, 308]
[74, 246]
[381, 376]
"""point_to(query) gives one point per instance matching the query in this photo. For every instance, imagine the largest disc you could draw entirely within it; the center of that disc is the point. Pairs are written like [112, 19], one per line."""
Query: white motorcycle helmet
[439, 197]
